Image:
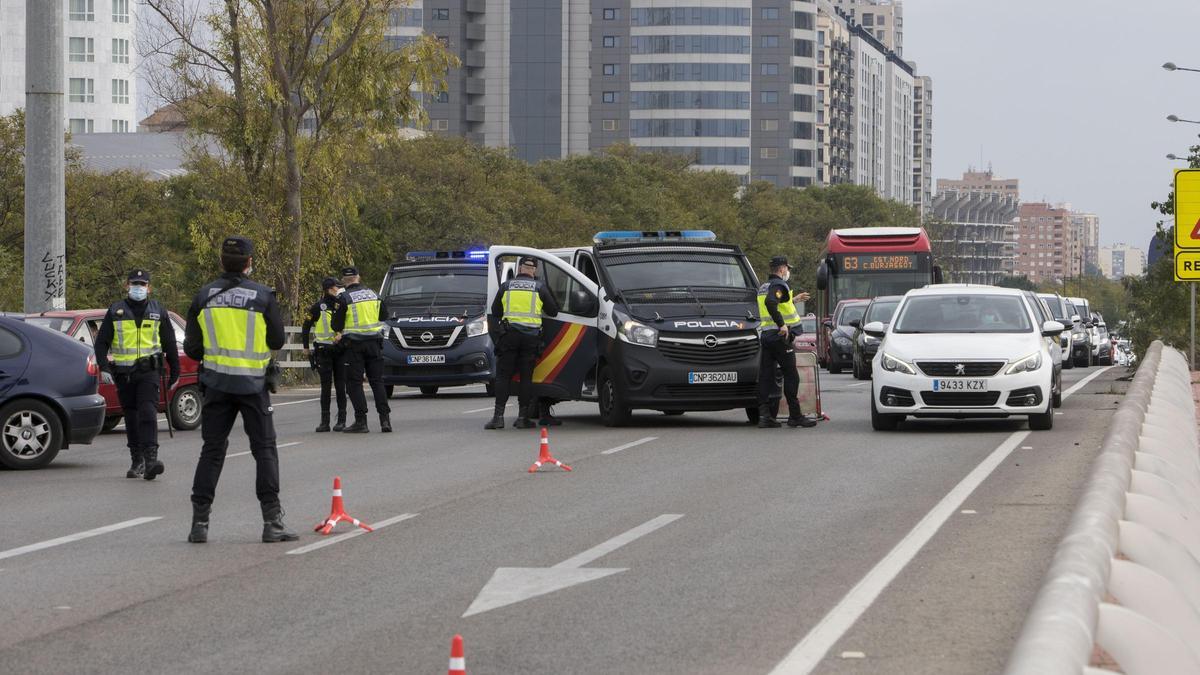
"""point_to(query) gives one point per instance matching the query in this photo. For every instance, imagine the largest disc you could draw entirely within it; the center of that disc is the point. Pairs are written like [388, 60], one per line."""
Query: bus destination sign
[880, 262]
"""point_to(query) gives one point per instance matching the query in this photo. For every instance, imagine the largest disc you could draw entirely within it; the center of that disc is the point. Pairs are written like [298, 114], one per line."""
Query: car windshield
[1056, 307]
[964, 314]
[808, 324]
[678, 276]
[881, 311]
[850, 313]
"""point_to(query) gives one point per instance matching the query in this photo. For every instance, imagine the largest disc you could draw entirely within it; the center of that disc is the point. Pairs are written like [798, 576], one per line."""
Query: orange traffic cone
[458, 662]
[544, 456]
[337, 512]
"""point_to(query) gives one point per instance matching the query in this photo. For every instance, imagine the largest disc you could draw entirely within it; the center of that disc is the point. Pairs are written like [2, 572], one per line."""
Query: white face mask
[138, 292]
[786, 275]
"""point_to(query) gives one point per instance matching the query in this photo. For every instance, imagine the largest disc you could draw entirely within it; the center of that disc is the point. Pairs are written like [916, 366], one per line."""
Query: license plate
[712, 378]
[960, 385]
[421, 359]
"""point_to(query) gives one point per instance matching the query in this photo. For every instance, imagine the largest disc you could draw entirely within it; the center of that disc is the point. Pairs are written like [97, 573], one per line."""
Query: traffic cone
[458, 662]
[337, 512]
[544, 456]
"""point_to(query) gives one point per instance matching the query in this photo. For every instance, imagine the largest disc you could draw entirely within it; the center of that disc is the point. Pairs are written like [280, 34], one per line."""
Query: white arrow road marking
[510, 585]
[14, 552]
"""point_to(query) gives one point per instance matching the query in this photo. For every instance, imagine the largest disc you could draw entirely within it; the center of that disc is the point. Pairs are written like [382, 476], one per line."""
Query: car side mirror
[1075, 318]
[855, 323]
[1052, 328]
[876, 329]
[828, 324]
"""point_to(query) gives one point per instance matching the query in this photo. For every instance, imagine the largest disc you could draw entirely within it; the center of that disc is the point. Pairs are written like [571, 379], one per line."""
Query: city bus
[866, 262]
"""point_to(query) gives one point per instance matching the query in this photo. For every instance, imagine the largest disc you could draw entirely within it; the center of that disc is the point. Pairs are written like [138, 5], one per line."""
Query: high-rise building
[100, 82]
[984, 181]
[1087, 234]
[883, 19]
[1121, 260]
[1046, 246]
[881, 118]
[922, 184]
[835, 89]
[974, 245]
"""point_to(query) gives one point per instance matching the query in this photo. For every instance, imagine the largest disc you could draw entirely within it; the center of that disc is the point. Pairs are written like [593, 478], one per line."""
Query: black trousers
[216, 421]
[138, 392]
[778, 352]
[518, 354]
[364, 358]
[332, 369]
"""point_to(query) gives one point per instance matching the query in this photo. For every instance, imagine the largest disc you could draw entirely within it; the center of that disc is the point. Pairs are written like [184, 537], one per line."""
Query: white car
[959, 351]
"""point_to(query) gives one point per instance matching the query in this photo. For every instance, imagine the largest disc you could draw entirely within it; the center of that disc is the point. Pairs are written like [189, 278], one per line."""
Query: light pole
[1176, 118]
[1171, 67]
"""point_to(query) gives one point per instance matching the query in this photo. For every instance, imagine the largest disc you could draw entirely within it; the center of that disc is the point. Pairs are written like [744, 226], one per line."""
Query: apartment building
[835, 88]
[1046, 247]
[975, 246]
[881, 118]
[883, 19]
[922, 183]
[1087, 234]
[1121, 260]
[99, 83]
[983, 181]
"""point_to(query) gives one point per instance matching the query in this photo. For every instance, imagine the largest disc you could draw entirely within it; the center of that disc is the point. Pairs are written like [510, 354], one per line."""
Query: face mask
[786, 276]
[249, 271]
[138, 292]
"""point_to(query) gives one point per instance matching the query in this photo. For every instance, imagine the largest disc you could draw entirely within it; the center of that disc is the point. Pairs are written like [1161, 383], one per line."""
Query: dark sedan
[881, 309]
[48, 394]
[840, 334]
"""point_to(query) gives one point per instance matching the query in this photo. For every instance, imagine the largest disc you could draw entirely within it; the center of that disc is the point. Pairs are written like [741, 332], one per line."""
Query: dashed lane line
[357, 532]
[632, 444]
[78, 536]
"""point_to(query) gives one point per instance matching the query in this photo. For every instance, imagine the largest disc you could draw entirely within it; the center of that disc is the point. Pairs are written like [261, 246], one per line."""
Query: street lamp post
[1176, 118]
[1171, 67]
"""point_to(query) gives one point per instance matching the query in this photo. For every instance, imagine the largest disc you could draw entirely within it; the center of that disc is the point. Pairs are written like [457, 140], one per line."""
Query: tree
[293, 91]
[1020, 282]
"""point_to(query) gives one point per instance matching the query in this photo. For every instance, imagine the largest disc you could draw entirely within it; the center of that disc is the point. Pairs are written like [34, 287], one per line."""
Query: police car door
[568, 360]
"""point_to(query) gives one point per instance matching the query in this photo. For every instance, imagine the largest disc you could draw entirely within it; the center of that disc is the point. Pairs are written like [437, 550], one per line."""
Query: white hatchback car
[959, 351]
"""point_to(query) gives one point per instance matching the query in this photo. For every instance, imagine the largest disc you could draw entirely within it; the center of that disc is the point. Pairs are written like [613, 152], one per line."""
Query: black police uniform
[362, 357]
[778, 351]
[327, 360]
[226, 396]
[517, 352]
[138, 385]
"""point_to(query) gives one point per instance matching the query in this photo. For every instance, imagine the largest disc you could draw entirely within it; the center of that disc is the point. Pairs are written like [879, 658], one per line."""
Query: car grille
[700, 354]
[950, 368]
[707, 391]
[960, 399]
[431, 370]
[441, 337]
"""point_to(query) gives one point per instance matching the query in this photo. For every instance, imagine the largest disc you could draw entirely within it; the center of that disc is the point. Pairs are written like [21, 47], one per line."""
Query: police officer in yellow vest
[359, 330]
[326, 355]
[233, 325]
[779, 323]
[518, 309]
[135, 339]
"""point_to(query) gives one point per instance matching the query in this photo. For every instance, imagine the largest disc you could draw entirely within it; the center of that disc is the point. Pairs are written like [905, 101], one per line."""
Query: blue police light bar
[634, 236]
[477, 255]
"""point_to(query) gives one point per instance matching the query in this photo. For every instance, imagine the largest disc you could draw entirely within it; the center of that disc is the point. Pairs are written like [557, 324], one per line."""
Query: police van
[434, 308]
[663, 320]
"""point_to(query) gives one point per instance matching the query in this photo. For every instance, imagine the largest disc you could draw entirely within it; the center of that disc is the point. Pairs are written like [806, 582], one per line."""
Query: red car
[807, 340]
[84, 324]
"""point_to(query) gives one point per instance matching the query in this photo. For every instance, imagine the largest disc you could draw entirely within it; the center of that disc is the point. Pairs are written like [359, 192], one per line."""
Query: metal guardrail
[1123, 591]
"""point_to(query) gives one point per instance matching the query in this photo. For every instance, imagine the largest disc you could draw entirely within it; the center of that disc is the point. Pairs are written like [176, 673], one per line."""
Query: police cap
[237, 245]
[528, 261]
[779, 261]
[329, 282]
[349, 271]
[138, 276]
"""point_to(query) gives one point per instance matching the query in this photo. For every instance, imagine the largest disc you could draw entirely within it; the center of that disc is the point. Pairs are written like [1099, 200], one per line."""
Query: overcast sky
[1069, 96]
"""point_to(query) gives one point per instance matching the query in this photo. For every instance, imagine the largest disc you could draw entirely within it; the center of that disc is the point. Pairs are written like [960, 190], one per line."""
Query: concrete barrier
[1123, 591]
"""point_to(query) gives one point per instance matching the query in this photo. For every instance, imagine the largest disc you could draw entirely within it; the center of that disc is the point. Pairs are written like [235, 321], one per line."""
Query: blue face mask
[137, 292]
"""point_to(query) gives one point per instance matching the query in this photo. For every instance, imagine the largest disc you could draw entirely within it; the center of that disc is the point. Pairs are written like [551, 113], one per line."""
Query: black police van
[434, 306]
[663, 320]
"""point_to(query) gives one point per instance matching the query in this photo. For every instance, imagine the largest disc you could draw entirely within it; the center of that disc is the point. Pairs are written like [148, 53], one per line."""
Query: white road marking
[356, 532]
[853, 655]
[968, 512]
[1026, 447]
[510, 585]
[807, 654]
[860, 384]
[62, 607]
[247, 452]
[306, 400]
[87, 534]
[487, 409]
[288, 445]
[627, 446]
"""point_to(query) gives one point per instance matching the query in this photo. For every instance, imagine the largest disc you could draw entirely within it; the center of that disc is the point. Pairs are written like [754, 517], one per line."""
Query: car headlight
[637, 333]
[477, 327]
[843, 342]
[895, 365]
[1026, 364]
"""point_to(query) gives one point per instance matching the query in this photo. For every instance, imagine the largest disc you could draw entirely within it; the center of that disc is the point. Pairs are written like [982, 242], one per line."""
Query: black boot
[548, 419]
[796, 418]
[359, 426]
[273, 528]
[523, 421]
[385, 424]
[341, 421]
[497, 421]
[199, 533]
[324, 425]
[766, 417]
[153, 466]
[137, 465]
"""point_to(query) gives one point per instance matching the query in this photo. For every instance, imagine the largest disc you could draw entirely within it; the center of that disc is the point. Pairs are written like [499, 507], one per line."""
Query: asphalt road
[691, 544]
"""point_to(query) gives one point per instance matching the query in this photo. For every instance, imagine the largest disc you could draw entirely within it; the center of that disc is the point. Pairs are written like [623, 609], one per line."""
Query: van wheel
[426, 391]
[881, 421]
[1043, 421]
[185, 408]
[613, 411]
[31, 434]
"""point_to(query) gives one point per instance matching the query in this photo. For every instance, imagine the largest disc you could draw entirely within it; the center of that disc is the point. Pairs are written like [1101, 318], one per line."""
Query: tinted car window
[850, 313]
[10, 344]
[881, 311]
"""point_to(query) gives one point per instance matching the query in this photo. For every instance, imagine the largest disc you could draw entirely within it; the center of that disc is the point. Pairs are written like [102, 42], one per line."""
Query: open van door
[568, 359]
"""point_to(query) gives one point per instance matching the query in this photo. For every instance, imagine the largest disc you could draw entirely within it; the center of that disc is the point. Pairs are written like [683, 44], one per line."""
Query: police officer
[518, 309]
[779, 323]
[232, 327]
[326, 355]
[138, 337]
[360, 333]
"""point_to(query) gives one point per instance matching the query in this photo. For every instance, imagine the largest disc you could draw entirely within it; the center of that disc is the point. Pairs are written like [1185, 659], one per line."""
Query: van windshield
[678, 276]
[422, 288]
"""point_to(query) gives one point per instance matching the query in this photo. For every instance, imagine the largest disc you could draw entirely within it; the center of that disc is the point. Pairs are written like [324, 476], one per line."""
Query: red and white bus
[867, 262]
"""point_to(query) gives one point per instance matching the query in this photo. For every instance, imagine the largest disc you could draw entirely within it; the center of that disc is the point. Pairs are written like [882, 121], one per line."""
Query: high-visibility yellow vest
[235, 334]
[132, 341]
[362, 314]
[323, 329]
[522, 303]
[787, 308]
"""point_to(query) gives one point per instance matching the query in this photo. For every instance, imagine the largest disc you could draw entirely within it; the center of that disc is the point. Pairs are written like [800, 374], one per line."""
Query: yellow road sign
[1187, 209]
[1187, 266]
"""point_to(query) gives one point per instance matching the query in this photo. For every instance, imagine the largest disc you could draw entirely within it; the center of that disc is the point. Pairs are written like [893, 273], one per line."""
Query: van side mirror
[876, 329]
[583, 303]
